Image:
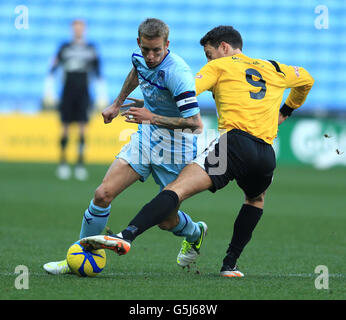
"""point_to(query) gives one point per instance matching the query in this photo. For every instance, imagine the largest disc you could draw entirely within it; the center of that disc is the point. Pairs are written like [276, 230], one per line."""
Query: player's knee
[256, 201]
[103, 197]
[164, 226]
[178, 188]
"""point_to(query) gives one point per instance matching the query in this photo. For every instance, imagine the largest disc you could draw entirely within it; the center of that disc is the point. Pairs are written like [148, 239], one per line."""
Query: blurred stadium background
[309, 33]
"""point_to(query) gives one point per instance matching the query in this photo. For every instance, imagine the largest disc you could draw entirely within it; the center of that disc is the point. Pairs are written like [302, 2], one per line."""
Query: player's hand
[138, 115]
[138, 103]
[110, 113]
[282, 118]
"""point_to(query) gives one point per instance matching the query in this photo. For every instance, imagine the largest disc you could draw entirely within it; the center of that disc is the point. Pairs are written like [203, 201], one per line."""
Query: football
[85, 263]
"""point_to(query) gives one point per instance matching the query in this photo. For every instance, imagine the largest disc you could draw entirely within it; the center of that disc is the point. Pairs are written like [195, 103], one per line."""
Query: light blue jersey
[163, 86]
[168, 90]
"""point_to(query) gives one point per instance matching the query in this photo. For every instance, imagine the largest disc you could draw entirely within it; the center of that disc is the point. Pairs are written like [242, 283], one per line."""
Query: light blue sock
[94, 220]
[186, 228]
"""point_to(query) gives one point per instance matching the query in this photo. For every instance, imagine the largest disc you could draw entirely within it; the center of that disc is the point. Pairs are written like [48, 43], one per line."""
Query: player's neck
[234, 52]
[78, 40]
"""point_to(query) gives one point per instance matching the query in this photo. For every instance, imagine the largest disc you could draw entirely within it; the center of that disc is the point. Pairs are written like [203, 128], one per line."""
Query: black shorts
[239, 155]
[74, 105]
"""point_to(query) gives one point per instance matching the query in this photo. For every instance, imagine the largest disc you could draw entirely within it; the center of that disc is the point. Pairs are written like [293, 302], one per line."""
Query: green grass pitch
[303, 226]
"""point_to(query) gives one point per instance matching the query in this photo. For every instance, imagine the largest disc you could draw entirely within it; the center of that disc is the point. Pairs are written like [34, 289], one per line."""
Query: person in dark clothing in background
[79, 61]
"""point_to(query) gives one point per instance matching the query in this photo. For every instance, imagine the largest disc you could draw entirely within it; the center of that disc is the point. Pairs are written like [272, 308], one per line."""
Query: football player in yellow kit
[248, 93]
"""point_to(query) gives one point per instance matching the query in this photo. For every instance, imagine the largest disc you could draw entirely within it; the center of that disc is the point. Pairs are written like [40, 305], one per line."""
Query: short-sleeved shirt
[168, 90]
[248, 92]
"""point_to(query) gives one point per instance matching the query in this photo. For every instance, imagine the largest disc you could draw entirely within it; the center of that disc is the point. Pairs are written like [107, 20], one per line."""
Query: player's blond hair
[153, 28]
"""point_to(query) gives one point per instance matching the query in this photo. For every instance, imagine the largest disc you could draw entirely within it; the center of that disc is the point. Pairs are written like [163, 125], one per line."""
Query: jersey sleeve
[300, 82]
[58, 58]
[96, 63]
[181, 85]
[206, 78]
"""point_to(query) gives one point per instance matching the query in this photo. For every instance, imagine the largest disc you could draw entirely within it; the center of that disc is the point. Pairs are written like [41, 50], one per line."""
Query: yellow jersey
[248, 92]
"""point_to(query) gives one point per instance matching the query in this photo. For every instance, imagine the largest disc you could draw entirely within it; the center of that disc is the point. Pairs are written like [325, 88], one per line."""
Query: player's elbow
[312, 80]
[307, 87]
[309, 80]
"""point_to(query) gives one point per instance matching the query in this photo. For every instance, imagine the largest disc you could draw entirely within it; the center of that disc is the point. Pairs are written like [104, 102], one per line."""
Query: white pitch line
[278, 275]
[296, 275]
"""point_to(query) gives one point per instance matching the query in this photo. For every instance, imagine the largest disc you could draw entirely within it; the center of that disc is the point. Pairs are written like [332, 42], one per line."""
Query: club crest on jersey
[161, 75]
[198, 76]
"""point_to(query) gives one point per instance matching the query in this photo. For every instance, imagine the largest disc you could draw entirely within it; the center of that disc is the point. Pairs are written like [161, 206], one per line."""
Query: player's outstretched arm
[130, 84]
[193, 123]
[139, 115]
[300, 82]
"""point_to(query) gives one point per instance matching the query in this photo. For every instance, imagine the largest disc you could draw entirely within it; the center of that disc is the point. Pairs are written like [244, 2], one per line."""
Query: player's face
[153, 50]
[213, 53]
[78, 29]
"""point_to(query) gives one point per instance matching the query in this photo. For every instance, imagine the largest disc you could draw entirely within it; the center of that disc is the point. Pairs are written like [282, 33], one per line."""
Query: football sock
[244, 225]
[151, 214]
[81, 150]
[186, 228]
[63, 144]
[94, 220]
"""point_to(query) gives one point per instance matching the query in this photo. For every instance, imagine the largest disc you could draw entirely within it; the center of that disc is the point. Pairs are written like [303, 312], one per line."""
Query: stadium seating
[281, 30]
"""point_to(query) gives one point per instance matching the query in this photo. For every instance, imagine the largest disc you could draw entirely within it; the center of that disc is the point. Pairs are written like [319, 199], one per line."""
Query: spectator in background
[79, 61]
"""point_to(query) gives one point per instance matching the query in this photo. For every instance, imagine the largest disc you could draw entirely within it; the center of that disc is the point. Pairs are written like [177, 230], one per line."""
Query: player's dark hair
[223, 33]
[153, 28]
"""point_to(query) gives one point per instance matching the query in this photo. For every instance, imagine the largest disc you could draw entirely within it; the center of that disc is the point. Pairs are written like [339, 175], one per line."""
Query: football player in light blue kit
[165, 142]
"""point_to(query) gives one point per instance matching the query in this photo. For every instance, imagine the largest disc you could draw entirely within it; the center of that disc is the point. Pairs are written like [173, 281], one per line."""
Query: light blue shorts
[141, 162]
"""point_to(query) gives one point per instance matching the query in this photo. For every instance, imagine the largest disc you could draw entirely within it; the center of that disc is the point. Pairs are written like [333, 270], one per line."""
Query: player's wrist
[286, 110]
[154, 119]
[117, 104]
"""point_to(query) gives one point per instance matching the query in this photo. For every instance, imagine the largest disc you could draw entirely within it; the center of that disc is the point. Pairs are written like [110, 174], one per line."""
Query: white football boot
[81, 173]
[190, 250]
[63, 172]
[57, 267]
[228, 272]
